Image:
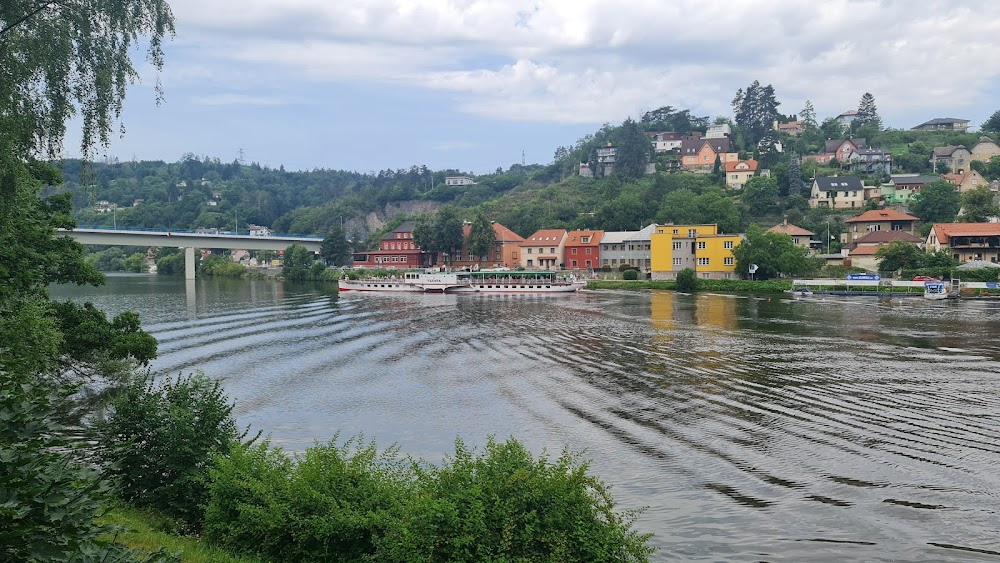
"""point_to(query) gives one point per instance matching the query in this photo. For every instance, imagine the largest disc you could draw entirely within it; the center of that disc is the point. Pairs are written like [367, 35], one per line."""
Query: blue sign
[863, 277]
[991, 285]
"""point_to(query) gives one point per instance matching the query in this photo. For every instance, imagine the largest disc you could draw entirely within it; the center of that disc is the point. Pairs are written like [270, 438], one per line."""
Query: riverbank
[732, 286]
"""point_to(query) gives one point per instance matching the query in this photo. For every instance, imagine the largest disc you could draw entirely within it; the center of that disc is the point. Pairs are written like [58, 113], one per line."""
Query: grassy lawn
[144, 534]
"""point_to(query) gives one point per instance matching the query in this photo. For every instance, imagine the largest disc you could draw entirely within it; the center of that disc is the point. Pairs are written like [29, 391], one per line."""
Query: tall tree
[898, 255]
[482, 238]
[335, 248]
[808, 115]
[633, 151]
[760, 194]
[756, 110]
[978, 205]
[448, 224]
[794, 174]
[937, 202]
[867, 112]
[993, 123]
[773, 253]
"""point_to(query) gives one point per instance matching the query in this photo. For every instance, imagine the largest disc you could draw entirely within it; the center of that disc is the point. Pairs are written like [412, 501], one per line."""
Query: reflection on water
[753, 428]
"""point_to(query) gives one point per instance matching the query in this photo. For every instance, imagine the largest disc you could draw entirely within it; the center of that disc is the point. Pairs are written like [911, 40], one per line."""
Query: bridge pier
[189, 263]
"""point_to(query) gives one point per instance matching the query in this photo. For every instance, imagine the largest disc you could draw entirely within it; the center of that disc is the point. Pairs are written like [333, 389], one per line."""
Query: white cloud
[596, 61]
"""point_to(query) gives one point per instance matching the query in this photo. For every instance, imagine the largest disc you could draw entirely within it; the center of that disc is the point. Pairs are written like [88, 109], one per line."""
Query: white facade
[458, 181]
[718, 131]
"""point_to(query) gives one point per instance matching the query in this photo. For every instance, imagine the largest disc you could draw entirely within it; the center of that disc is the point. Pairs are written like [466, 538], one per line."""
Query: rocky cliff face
[378, 219]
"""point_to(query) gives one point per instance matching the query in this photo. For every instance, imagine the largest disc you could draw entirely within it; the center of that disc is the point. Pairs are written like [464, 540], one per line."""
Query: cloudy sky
[372, 84]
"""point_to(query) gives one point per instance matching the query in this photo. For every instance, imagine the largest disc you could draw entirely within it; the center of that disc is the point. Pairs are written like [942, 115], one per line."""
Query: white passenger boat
[468, 282]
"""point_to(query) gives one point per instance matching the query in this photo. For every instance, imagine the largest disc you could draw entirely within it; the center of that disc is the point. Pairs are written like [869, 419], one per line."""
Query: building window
[573, 251]
[706, 275]
[529, 251]
[703, 261]
[588, 251]
[574, 263]
[692, 233]
[677, 261]
[675, 231]
[727, 245]
[402, 258]
[552, 251]
[605, 261]
[678, 245]
[728, 260]
[702, 245]
[530, 263]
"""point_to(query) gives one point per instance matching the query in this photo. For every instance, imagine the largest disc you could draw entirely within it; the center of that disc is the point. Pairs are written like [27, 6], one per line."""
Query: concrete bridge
[188, 240]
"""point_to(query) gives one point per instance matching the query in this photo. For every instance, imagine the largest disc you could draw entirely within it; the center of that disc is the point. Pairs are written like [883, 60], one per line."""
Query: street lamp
[827, 237]
[114, 215]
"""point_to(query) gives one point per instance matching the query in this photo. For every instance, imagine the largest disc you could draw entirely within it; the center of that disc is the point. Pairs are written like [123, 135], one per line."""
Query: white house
[458, 181]
[258, 231]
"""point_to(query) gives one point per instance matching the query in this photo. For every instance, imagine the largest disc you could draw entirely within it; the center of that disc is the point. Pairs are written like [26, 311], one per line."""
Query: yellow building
[699, 247]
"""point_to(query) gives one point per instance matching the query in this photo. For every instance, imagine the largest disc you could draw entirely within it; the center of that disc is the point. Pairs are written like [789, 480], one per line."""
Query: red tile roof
[946, 230]
[575, 238]
[876, 215]
[791, 230]
[880, 237]
[751, 166]
[545, 237]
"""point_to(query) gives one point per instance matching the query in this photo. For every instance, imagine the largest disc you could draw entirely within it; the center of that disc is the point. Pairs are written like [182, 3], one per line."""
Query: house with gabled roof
[841, 149]
[701, 153]
[396, 250]
[506, 251]
[582, 250]
[968, 181]
[800, 237]
[837, 192]
[953, 159]
[943, 124]
[966, 241]
[665, 141]
[985, 149]
[870, 161]
[877, 220]
[544, 250]
[738, 173]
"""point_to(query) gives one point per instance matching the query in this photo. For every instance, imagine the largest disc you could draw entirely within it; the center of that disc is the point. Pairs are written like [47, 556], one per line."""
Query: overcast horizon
[469, 85]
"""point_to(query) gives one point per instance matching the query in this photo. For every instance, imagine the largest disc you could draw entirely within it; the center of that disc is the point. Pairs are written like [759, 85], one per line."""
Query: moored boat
[935, 290]
[467, 282]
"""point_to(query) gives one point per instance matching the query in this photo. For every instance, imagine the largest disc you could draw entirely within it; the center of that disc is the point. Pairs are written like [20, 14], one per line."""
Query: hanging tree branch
[28, 16]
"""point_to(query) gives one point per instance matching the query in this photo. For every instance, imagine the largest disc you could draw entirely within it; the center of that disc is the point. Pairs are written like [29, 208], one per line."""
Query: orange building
[582, 250]
[505, 253]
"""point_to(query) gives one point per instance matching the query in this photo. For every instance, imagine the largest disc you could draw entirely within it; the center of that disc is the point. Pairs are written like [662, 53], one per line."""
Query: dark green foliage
[158, 442]
[625, 267]
[755, 111]
[898, 255]
[335, 249]
[89, 337]
[978, 205]
[937, 202]
[49, 495]
[794, 178]
[760, 195]
[667, 118]
[506, 505]
[633, 151]
[441, 232]
[774, 254]
[630, 274]
[332, 504]
[297, 263]
[170, 263]
[114, 260]
[482, 237]
[222, 266]
[687, 281]
[993, 123]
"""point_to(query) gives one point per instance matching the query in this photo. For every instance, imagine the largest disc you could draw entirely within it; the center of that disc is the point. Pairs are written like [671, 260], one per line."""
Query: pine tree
[794, 174]
[633, 151]
[808, 115]
[867, 112]
[756, 110]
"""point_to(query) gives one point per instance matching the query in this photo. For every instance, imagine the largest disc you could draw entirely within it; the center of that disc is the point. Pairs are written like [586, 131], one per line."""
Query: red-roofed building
[800, 236]
[739, 172]
[862, 251]
[506, 250]
[878, 220]
[544, 250]
[966, 241]
[582, 250]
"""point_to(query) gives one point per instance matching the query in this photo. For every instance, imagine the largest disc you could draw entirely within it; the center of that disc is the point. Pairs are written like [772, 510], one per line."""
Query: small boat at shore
[484, 281]
[935, 290]
[801, 292]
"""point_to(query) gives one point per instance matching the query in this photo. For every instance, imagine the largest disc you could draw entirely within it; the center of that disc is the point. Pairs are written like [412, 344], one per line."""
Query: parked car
[924, 278]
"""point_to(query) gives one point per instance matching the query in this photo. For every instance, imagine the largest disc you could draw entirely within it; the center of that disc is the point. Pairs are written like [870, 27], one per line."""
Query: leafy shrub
[49, 496]
[630, 275]
[506, 505]
[158, 442]
[686, 280]
[330, 504]
[222, 266]
[625, 267]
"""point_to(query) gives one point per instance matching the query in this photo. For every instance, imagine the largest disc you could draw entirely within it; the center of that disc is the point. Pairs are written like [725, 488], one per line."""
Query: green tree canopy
[756, 110]
[335, 249]
[937, 202]
[760, 194]
[897, 255]
[482, 237]
[774, 254]
[978, 205]
[296, 263]
[993, 123]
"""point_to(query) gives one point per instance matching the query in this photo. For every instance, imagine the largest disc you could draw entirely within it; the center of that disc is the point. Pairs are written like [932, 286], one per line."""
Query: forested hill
[206, 193]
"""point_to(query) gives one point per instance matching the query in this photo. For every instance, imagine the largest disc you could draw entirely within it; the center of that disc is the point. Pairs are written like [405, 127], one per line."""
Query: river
[751, 428]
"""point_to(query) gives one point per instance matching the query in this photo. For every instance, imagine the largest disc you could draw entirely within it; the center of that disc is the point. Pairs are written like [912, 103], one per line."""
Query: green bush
[625, 267]
[687, 281]
[222, 266]
[630, 275]
[158, 442]
[50, 497]
[505, 505]
[331, 504]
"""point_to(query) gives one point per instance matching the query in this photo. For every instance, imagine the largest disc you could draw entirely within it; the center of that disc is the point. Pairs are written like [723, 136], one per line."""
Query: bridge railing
[194, 232]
